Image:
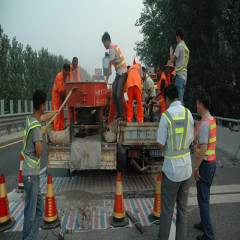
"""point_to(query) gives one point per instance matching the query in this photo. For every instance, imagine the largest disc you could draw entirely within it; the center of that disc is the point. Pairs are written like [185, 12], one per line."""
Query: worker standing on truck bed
[181, 56]
[58, 96]
[116, 58]
[175, 134]
[74, 76]
[134, 91]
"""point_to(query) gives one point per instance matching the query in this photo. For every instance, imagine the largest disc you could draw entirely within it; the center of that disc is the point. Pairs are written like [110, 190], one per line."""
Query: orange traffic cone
[118, 219]
[155, 216]
[50, 219]
[6, 221]
[20, 181]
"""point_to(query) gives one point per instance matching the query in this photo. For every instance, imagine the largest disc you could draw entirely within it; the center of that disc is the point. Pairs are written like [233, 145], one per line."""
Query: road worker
[181, 58]
[175, 134]
[74, 76]
[32, 151]
[116, 58]
[205, 166]
[149, 90]
[134, 91]
[162, 83]
[58, 96]
[171, 76]
[148, 86]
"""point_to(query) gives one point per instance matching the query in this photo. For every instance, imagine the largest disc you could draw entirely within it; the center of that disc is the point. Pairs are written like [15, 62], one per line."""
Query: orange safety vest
[212, 142]
[134, 77]
[163, 76]
[70, 77]
[58, 88]
[122, 63]
[169, 76]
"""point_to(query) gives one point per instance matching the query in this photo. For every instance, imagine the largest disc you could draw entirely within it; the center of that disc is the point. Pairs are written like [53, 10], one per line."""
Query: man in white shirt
[175, 134]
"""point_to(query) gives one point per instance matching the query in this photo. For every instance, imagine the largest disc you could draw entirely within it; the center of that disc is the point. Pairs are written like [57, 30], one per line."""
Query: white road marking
[43, 170]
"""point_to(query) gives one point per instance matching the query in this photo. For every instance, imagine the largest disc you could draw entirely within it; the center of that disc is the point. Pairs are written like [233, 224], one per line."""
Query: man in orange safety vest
[58, 96]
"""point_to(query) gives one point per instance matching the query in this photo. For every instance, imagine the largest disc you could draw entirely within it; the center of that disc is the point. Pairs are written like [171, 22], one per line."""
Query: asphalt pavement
[225, 204]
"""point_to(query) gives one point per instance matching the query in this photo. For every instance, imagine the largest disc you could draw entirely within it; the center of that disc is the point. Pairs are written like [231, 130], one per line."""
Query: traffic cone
[6, 221]
[20, 181]
[118, 219]
[50, 218]
[155, 216]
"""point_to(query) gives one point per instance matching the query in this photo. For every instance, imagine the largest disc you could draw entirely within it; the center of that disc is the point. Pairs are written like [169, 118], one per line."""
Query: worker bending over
[116, 58]
[148, 86]
[58, 96]
[134, 91]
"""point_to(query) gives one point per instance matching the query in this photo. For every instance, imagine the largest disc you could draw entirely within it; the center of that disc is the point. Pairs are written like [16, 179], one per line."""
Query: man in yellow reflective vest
[205, 166]
[175, 134]
[32, 151]
[117, 60]
[180, 57]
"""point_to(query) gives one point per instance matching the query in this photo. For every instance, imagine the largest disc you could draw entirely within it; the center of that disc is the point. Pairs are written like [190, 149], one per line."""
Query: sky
[74, 27]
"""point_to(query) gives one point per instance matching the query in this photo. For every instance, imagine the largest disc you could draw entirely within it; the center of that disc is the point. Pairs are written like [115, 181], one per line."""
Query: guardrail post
[47, 106]
[26, 106]
[31, 106]
[11, 106]
[19, 106]
[2, 107]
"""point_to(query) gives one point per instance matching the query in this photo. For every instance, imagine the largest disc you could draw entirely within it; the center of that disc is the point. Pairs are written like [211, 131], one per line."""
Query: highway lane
[10, 153]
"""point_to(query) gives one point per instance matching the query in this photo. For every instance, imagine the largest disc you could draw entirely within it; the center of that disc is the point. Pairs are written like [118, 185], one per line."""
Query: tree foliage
[212, 30]
[23, 70]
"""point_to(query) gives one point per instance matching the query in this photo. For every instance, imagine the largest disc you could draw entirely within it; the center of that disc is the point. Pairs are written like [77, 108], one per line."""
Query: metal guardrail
[10, 120]
[221, 119]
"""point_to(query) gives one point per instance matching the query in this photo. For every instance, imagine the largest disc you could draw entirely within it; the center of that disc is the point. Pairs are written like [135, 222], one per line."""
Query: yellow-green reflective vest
[185, 60]
[32, 163]
[178, 126]
[145, 84]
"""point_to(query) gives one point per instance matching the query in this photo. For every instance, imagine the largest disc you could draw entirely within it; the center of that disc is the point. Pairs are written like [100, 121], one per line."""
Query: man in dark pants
[206, 164]
[32, 151]
[175, 134]
[116, 58]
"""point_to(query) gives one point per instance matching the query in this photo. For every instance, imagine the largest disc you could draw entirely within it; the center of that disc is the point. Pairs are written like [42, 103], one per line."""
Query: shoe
[202, 237]
[198, 226]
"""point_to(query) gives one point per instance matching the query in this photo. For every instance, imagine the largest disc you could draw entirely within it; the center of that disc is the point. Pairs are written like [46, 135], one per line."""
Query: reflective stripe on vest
[29, 126]
[122, 63]
[185, 60]
[210, 153]
[145, 85]
[178, 149]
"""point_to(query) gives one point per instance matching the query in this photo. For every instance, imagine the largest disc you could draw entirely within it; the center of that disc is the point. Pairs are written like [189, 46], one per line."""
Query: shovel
[68, 96]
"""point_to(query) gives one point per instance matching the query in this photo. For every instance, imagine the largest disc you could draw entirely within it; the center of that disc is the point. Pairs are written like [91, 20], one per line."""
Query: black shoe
[198, 226]
[203, 237]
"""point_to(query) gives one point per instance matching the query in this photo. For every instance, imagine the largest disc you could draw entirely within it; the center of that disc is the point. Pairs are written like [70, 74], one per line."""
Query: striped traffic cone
[118, 219]
[50, 219]
[6, 221]
[20, 181]
[155, 216]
